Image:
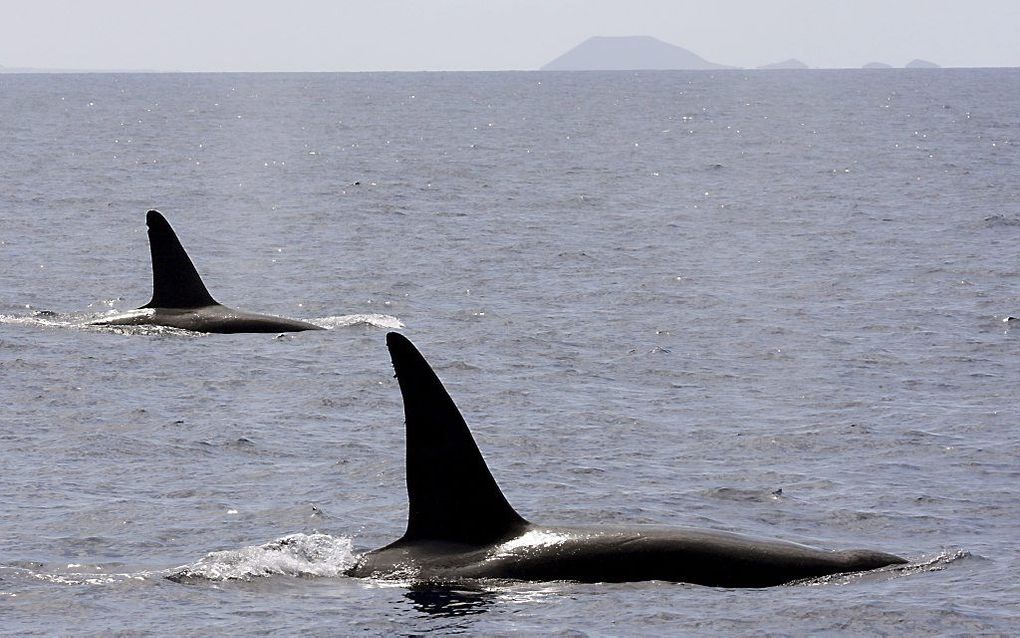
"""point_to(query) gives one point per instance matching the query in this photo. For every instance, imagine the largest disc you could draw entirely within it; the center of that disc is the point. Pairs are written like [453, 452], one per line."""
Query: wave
[69, 576]
[998, 221]
[295, 555]
[298, 555]
[936, 563]
[83, 321]
[369, 319]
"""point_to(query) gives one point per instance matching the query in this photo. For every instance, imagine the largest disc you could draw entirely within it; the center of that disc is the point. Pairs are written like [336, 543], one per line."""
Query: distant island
[598, 53]
[645, 53]
[629, 53]
[792, 63]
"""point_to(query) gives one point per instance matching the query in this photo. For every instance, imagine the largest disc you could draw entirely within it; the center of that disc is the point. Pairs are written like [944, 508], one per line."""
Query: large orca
[180, 299]
[461, 527]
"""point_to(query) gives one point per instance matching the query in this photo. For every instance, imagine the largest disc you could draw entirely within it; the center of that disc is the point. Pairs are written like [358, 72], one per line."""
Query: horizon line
[86, 71]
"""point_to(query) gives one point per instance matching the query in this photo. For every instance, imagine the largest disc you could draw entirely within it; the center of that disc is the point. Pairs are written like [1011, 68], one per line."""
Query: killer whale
[180, 298]
[461, 527]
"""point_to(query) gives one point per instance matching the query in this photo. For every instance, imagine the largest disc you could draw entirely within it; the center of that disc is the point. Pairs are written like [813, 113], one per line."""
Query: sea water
[774, 303]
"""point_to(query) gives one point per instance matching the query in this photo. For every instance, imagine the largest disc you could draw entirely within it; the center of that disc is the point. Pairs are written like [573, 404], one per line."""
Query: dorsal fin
[451, 493]
[175, 282]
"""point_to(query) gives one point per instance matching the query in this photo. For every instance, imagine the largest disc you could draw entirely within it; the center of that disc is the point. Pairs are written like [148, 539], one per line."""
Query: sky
[490, 35]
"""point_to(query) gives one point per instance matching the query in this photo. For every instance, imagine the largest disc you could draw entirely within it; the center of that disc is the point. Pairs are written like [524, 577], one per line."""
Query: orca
[461, 528]
[180, 299]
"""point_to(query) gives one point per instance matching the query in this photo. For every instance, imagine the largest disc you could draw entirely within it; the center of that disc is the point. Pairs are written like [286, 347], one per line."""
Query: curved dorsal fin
[451, 493]
[175, 282]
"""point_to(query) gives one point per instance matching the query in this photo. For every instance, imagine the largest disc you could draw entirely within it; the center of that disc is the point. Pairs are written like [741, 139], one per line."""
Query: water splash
[934, 564]
[85, 321]
[40, 318]
[369, 319]
[74, 574]
[300, 555]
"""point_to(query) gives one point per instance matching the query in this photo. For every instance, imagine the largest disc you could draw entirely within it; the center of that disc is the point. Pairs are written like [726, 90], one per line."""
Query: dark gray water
[770, 303]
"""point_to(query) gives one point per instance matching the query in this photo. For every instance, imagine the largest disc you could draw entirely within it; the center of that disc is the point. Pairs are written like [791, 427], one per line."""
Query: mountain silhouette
[629, 53]
[792, 63]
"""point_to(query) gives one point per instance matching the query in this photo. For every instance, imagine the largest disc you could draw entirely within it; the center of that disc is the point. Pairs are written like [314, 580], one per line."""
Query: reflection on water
[449, 602]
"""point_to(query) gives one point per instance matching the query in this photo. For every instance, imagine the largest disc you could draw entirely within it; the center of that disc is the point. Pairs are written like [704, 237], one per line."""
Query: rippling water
[766, 302]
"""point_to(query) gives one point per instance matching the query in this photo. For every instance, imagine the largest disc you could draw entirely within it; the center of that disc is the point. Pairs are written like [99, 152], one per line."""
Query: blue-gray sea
[774, 303]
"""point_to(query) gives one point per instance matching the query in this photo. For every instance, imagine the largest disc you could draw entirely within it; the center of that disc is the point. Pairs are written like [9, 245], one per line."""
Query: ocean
[774, 303]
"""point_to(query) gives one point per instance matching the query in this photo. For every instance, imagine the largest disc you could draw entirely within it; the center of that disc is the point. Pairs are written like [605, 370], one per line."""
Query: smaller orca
[180, 299]
[461, 527]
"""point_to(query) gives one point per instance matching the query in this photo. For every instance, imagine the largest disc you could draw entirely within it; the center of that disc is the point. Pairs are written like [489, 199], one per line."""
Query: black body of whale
[180, 299]
[460, 526]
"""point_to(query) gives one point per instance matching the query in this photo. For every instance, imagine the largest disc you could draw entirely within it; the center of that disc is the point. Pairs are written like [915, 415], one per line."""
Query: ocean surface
[774, 303]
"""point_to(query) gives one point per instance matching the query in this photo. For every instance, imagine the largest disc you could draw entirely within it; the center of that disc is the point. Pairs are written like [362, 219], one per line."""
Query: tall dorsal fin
[175, 282]
[451, 494]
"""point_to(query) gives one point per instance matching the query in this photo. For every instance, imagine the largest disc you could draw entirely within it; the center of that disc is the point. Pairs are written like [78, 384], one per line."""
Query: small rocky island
[631, 53]
[792, 63]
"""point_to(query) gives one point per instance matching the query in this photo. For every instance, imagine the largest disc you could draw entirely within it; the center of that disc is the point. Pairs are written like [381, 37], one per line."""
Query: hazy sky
[414, 35]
